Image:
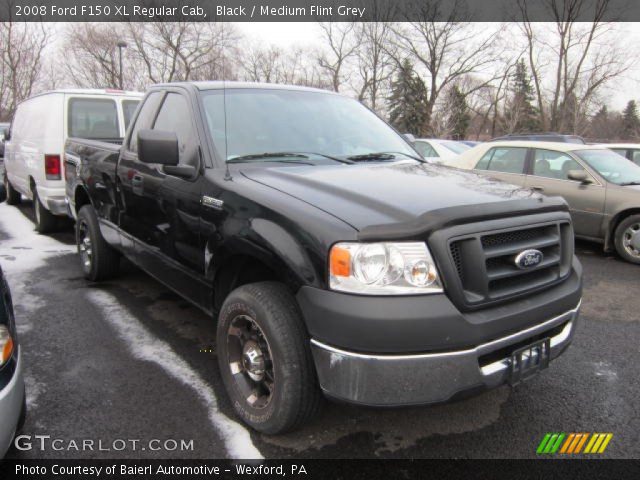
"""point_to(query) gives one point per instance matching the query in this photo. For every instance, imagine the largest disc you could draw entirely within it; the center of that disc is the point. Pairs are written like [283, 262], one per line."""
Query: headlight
[6, 345]
[402, 268]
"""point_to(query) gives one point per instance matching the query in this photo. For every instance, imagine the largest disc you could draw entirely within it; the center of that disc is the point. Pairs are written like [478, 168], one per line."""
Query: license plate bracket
[528, 361]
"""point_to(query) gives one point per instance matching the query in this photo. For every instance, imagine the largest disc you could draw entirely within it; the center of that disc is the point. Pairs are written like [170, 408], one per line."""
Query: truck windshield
[263, 121]
[613, 167]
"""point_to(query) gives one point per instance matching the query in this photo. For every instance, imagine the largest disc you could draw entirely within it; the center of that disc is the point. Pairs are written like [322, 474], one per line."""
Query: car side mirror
[579, 176]
[409, 137]
[158, 146]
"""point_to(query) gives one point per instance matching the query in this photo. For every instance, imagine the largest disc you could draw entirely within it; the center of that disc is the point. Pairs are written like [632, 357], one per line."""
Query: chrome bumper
[395, 380]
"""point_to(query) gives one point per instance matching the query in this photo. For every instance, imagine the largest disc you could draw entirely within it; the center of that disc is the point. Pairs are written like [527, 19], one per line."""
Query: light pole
[121, 45]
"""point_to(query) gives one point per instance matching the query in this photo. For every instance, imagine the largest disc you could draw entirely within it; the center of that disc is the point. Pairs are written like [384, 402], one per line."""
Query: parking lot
[129, 360]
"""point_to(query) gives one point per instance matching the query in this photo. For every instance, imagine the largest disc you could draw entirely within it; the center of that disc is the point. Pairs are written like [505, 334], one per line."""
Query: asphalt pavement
[126, 369]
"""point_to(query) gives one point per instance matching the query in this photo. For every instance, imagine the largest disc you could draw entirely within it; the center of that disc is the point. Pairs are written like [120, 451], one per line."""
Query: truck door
[170, 246]
[133, 205]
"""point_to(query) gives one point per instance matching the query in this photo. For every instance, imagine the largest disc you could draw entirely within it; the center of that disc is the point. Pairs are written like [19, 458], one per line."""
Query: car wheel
[99, 260]
[45, 221]
[627, 239]
[265, 358]
[13, 197]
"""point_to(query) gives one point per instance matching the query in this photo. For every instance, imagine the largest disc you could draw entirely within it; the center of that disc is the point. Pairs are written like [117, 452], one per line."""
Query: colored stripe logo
[574, 443]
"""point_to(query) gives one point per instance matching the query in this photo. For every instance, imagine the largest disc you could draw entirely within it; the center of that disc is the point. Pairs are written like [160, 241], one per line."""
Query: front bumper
[400, 380]
[11, 403]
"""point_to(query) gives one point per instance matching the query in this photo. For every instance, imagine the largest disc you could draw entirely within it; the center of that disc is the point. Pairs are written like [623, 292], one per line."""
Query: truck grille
[485, 264]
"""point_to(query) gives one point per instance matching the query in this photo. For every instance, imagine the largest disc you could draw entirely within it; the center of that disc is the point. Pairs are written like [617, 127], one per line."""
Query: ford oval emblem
[529, 259]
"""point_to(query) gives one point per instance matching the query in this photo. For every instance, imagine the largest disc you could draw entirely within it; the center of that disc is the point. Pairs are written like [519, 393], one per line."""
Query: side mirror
[158, 146]
[579, 176]
[409, 137]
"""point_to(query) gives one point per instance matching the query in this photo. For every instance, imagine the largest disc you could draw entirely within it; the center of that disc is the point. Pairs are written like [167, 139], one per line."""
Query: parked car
[601, 187]
[3, 128]
[435, 148]
[541, 137]
[36, 141]
[334, 258]
[12, 395]
[630, 151]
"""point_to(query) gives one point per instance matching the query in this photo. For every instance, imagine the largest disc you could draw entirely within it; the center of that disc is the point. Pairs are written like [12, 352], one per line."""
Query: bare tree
[175, 51]
[22, 46]
[447, 50]
[342, 42]
[571, 60]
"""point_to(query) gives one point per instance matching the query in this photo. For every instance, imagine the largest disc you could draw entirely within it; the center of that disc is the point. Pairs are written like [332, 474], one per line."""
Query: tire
[13, 197]
[45, 220]
[294, 396]
[627, 239]
[98, 259]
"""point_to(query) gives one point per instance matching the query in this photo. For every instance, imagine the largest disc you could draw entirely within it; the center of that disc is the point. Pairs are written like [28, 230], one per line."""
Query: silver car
[12, 395]
[601, 187]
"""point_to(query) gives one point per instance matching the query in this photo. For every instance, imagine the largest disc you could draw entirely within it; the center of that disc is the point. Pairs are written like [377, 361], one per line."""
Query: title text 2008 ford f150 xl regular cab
[335, 259]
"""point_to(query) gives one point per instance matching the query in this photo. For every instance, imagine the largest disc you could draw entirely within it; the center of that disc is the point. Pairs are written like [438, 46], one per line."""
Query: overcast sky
[286, 34]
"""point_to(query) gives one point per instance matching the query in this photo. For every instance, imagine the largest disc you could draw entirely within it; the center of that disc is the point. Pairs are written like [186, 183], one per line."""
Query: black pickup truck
[334, 258]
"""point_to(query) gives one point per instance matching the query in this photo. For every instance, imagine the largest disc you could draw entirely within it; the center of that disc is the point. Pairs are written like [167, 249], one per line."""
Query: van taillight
[52, 167]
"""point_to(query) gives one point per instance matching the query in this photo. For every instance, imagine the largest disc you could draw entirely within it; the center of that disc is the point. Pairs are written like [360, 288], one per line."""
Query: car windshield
[250, 122]
[613, 167]
[455, 147]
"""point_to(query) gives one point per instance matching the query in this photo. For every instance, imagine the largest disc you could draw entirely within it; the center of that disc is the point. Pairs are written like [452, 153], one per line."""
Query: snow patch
[146, 347]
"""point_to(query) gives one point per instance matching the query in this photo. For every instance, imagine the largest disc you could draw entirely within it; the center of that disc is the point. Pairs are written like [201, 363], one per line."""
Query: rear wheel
[627, 239]
[265, 359]
[45, 220]
[98, 259]
[13, 196]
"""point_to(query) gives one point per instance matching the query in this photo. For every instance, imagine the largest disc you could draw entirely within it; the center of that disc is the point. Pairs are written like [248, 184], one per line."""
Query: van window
[128, 109]
[93, 118]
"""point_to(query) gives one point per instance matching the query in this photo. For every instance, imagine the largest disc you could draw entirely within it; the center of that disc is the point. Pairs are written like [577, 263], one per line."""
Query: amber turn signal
[340, 262]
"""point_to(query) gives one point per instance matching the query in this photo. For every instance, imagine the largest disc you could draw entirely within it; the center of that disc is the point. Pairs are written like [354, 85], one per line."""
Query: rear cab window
[504, 159]
[94, 118]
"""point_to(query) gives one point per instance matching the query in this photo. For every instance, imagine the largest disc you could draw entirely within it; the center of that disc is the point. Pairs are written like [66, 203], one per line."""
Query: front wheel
[265, 359]
[627, 239]
[98, 259]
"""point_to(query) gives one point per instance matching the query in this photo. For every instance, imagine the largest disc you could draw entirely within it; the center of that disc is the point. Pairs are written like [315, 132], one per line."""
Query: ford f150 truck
[334, 258]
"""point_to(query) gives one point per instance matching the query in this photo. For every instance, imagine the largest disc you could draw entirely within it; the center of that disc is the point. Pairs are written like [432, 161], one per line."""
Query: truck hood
[367, 195]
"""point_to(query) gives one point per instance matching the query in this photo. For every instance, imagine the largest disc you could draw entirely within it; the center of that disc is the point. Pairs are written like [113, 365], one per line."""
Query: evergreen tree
[459, 117]
[630, 120]
[522, 113]
[407, 102]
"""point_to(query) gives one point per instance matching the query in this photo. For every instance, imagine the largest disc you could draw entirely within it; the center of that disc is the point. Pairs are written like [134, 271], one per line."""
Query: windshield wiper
[635, 182]
[381, 156]
[264, 156]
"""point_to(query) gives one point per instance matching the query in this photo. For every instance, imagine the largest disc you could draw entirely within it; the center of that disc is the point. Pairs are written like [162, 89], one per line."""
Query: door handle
[538, 189]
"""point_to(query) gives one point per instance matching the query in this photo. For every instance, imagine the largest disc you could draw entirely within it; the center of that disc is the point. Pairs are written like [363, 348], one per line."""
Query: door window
[551, 164]
[426, 150]
[144, 118]
[93, 118]
[504, 159]
[175, 116]
[635, 156]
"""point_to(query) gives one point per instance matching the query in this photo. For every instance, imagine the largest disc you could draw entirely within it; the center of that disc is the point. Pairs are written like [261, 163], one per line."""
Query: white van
[36, 138]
